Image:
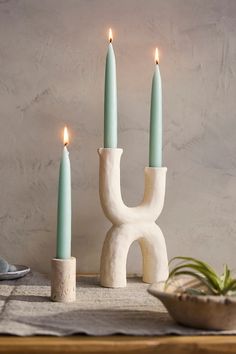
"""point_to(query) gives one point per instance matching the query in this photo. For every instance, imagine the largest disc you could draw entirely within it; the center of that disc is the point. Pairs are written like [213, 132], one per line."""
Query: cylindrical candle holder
[63, 280]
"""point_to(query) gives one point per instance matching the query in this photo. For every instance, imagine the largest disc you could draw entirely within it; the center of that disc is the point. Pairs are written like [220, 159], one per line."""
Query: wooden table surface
[119, 344]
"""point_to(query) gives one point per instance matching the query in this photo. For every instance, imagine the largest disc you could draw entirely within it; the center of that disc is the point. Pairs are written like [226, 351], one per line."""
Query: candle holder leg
[153, 247]
[114, 256]
[63, 280]
[115, 251]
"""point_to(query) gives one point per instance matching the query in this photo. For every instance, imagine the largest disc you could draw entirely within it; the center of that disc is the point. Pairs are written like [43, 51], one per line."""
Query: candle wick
[157, 62]
[65, 144]
[110, 40]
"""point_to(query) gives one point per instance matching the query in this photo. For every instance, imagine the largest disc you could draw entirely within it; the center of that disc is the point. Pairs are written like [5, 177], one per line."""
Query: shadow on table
[25, 298]
[32, 278]
[39, 279]
[99, 322]
[104, 322]
[94, 281]
[30, 298]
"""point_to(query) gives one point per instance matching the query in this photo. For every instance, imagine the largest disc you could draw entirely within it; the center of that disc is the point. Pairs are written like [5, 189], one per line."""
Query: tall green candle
[110, 99]
[64, 204]
[155, 139]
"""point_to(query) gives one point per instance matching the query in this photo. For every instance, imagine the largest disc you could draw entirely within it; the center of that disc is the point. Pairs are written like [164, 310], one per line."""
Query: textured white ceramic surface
[63, 280]
[131, 223]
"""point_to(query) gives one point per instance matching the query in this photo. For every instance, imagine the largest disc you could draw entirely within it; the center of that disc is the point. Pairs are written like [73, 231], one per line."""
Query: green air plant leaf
[211, 277]
[224, 284]
[192, 291]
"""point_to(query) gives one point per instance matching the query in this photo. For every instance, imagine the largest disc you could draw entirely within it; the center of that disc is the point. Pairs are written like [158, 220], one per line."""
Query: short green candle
[64, 205]
[155, 139]
[110, 99]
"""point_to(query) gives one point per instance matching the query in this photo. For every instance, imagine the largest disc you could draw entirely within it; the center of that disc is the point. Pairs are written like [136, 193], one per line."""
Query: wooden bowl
[196, 311]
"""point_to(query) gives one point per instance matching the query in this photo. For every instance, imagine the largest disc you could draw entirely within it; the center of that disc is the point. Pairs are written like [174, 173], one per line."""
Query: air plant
[210, 282]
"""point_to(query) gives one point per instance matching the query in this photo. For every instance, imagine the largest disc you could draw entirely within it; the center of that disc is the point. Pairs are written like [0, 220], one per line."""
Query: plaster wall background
[52, 56]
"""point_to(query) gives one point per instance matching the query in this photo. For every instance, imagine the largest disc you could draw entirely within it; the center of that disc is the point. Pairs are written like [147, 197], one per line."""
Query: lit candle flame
[66, 136]
[156, 56]
[110, 35]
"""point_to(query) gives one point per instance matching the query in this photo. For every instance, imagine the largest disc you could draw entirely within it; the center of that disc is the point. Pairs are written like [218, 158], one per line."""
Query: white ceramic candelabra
[131, 224]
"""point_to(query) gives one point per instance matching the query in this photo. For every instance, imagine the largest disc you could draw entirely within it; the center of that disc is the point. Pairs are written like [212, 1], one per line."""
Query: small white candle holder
[63, 280]
[131, 224]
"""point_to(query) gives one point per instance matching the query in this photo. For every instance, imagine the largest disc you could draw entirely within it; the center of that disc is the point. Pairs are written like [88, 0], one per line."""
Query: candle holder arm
[110, 190]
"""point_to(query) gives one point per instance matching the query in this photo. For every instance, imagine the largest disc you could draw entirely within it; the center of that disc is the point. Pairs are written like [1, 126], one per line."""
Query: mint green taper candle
[110, 99]
[64, 204]
[155, 139]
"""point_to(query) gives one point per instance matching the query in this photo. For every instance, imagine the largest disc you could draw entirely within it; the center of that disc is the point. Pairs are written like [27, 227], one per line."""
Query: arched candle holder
[131, 224]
